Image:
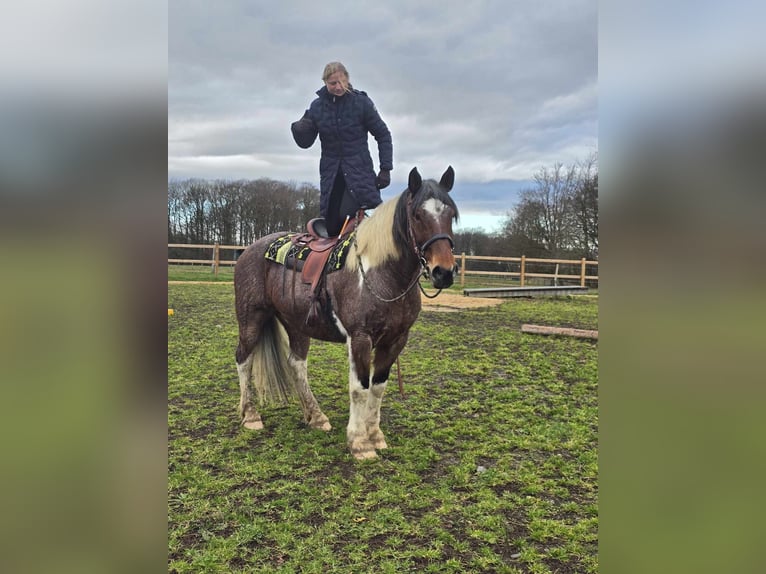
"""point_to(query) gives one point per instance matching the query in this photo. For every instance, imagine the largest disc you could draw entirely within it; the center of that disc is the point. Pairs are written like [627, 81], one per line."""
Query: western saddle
[321, 245]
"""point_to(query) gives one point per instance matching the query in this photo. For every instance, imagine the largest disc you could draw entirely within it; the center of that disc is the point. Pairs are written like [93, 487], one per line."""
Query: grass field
[491, 465]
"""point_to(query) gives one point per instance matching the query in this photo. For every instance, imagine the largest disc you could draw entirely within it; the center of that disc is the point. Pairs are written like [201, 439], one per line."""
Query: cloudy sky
[495, 88]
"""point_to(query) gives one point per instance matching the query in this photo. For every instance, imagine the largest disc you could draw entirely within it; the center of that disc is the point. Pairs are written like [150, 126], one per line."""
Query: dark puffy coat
[342, 124]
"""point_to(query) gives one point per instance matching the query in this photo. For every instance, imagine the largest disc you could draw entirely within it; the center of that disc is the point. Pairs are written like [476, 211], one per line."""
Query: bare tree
[544, 213]
[175, 212]
[223, 208]
[558, 215]
[471, 241]
[308, 201]
[585, 208]
[196, 207]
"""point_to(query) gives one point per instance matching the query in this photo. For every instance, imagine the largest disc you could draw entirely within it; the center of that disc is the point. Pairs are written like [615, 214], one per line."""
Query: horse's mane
[374, 238]
[383, 235]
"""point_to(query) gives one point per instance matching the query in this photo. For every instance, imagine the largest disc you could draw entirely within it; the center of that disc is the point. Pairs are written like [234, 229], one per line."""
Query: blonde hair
[333, 67]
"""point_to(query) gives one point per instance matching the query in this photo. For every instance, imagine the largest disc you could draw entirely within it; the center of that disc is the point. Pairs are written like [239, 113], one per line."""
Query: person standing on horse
[342, 117]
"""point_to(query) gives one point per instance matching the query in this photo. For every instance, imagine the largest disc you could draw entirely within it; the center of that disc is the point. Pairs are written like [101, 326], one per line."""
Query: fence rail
[522, 262]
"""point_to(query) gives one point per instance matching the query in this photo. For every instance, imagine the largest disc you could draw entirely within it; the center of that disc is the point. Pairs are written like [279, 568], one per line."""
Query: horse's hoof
[380, 444]
[253, 425]
[325, 426]
[320, 422]
[362, 449]
[364, 454]
[378, 441]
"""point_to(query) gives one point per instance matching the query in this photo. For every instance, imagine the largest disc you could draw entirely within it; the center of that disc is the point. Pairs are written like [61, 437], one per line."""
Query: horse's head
[430, 212]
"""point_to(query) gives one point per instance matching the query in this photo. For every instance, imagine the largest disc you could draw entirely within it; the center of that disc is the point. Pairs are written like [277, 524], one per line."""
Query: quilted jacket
[342, 123]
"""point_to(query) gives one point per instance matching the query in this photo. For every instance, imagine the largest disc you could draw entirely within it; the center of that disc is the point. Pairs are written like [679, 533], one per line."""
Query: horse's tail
[273, 375]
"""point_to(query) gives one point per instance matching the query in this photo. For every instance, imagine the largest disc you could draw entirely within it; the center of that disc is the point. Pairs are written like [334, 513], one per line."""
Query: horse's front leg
[360, 398]
[385, 355]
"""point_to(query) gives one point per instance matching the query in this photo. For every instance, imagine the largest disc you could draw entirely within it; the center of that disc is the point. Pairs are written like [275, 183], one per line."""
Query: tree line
[556, 217]
[235, 212]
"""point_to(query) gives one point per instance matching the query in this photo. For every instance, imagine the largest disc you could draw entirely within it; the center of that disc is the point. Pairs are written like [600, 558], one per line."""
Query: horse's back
[250, 269]
[254, 254]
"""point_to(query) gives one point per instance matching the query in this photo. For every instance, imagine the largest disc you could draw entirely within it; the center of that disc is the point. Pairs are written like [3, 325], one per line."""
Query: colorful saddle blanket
[292, 255]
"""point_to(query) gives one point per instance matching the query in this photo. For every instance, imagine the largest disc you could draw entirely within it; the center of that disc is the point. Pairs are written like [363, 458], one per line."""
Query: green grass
[200, 273]
[491, 466]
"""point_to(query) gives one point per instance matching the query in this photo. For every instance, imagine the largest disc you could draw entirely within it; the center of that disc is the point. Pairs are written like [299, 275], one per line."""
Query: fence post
[523, 265]
[462, 269]
[582, 272]
[216, 258]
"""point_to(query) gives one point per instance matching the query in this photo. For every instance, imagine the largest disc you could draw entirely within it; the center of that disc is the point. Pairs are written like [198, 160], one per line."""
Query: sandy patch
[456, 302]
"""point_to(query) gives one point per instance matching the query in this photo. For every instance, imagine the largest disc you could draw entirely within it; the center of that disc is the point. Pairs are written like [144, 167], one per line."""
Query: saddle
[321, 246]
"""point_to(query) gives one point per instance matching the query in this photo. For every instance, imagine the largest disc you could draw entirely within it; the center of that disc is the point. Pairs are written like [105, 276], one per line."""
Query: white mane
[375, 238]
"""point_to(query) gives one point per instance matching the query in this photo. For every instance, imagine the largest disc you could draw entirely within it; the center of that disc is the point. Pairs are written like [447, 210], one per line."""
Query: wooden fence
[522, 263]
[524, 274]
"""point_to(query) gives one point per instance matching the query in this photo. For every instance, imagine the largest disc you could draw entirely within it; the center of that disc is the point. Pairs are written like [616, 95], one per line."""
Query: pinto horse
[369, 304]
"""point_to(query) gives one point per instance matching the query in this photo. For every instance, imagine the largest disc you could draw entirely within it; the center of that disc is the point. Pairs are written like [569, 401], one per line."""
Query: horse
[370, 304]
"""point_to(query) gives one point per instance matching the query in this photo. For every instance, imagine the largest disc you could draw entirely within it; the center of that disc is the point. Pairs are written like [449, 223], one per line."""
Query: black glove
[384, 178]
[305, 122]
[304, 131]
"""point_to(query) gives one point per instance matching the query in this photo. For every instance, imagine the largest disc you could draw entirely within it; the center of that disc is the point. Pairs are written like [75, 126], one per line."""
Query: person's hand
[305, 121]
[384, 178]
[304, 131]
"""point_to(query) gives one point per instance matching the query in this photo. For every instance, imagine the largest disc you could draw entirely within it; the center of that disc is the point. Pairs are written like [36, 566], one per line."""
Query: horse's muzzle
[441, 277]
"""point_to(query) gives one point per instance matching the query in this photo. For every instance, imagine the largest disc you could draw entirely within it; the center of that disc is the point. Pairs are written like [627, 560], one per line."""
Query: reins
[416, 280]
[380, 297]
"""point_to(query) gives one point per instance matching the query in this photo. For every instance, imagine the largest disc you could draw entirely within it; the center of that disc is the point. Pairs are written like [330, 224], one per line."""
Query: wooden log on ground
[566, 331]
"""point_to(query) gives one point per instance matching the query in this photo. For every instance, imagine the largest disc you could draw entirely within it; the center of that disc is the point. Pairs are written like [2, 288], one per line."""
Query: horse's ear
[415, 181]
[448, 179]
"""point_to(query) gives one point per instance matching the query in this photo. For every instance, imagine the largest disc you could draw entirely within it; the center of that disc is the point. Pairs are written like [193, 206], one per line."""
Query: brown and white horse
[370, 304]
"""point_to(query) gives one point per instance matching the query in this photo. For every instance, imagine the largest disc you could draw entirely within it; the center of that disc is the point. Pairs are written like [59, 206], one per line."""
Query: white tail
[273, 375]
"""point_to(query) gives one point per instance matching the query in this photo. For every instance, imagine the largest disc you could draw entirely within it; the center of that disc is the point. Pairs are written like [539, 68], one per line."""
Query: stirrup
[318, 227]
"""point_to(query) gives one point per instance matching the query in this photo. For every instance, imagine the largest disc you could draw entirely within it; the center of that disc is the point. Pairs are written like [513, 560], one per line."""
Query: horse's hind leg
[312, 414]
[250, 417]
[248, 338]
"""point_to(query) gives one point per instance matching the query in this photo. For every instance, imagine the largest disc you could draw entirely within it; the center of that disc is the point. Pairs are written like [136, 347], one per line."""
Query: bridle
[419, 251]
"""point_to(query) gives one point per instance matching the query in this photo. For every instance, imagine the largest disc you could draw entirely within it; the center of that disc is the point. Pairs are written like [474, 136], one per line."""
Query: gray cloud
[497, 89]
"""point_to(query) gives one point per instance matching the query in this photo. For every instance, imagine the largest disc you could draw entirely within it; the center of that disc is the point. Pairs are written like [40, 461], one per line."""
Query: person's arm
[379, 130]
[305, 131]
